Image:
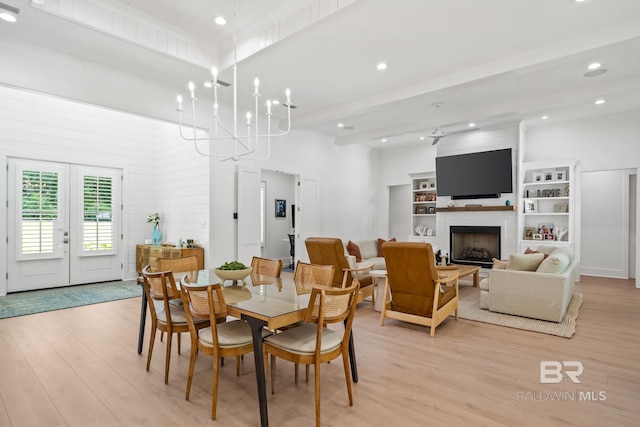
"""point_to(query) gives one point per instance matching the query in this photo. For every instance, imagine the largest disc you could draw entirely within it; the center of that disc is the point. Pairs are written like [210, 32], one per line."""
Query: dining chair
[413, 291]
[220, 339]
[266, 266]
[189, 263]
[305, 276]
[312, 343]
[161, 286]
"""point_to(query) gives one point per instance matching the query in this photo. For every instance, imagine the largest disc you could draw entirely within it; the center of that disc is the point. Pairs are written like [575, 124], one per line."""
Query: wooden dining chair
[312, 343]
[161, 286]
[266, 266]
[305, 276]
[220, 339]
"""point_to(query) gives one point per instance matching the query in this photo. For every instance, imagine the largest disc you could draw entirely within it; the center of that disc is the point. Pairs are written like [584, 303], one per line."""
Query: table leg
[476, 277]
[256, 332]
[352, 356]
[143, 319]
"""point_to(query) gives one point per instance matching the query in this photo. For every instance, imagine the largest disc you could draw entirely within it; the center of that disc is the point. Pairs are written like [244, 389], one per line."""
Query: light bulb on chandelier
[243, 146]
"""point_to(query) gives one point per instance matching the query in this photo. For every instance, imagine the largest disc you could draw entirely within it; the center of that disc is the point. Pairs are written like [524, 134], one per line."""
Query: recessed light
[578, 1]
[422, 138]
[340, 125]
[472, 125]
[594, 65]
[207, 84]
[545, 117]
[381, 66]
[220, 20]
[275, 102]
[600, 102]
[6, 16]
[383, 140]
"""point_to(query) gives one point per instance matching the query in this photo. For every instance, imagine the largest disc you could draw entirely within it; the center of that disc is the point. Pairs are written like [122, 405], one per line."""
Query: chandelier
[243, 145]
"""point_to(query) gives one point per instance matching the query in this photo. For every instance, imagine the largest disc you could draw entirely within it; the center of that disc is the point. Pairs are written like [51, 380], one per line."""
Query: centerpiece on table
[233, 270]
[156, 234]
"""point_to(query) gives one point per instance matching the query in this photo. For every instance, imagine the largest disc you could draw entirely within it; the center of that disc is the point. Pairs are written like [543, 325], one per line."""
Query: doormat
[31, 302]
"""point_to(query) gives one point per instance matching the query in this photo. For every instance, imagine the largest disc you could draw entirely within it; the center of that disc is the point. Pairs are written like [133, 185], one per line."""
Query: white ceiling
[490, 61]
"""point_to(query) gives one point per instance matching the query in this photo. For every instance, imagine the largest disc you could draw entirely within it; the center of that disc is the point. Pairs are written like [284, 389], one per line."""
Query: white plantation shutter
[98, 230]
[40, 210]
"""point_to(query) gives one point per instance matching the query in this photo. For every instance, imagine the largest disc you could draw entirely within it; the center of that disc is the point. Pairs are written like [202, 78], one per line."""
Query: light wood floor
[79, 367]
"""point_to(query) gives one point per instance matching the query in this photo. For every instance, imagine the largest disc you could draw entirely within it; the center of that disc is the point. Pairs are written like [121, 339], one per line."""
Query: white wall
[605, 142]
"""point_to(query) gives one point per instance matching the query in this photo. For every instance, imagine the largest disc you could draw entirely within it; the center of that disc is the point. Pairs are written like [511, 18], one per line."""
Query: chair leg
[168, 358]
[273, 374]
[152, 338]
[179, 340]
[192, 363]
[347, 376]
[296, 374]
[306, 368]
[317, 382]
[161, 336]
[214, 391]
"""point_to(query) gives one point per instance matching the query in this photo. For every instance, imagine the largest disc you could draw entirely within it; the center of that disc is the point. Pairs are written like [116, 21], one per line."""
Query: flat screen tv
[482, 175]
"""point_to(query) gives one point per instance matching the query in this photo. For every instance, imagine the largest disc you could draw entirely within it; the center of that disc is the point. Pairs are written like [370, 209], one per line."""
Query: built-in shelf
[476, 208]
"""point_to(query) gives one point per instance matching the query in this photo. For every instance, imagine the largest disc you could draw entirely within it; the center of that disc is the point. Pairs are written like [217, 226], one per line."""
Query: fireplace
[474, 245]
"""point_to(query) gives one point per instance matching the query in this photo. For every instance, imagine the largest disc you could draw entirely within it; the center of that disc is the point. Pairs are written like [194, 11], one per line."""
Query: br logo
[551, 371]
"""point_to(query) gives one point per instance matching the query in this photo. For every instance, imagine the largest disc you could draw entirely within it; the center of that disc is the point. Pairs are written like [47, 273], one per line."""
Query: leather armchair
[415, 284]
[330, 251]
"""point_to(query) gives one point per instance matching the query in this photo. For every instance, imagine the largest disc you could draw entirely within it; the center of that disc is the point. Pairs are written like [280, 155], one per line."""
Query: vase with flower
[156, 234]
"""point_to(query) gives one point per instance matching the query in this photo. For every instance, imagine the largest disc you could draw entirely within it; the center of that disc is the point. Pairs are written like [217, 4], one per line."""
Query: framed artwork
[560, 176]
[538, 177]
[548, 175]
[561, 207]
[432, 209]
[530, 206]
[421, 210]
[537, 236]
[281, 208]
[549, 237]
[528, 233]
[429, 232]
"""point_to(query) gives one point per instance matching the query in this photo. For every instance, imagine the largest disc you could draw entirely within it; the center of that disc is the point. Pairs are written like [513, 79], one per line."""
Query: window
[39, 211]
[97, 232]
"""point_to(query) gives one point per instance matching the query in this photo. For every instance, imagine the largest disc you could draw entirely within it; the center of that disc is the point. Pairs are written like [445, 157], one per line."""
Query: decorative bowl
[234, 275]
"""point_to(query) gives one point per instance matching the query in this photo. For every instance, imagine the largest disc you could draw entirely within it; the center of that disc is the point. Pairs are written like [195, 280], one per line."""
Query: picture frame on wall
[281, 208]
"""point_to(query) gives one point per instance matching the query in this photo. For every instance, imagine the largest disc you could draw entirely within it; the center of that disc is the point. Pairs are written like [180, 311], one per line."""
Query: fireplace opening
[474, 245]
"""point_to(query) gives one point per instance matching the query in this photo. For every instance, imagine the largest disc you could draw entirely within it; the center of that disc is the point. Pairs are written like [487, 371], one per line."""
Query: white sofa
[369, 254]
[541, 294]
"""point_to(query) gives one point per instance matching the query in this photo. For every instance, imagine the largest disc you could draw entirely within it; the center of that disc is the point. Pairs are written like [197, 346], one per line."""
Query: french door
[63, 224]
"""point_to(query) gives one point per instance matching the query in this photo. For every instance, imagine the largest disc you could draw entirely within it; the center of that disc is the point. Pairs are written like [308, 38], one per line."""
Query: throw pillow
[354, 250]
[556, 263]
[380, 242]
[499, 264]
[524, 262]
[531, 251]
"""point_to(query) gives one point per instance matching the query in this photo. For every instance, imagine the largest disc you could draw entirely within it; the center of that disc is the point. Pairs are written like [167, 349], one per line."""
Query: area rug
[30, 302]
[470, 309]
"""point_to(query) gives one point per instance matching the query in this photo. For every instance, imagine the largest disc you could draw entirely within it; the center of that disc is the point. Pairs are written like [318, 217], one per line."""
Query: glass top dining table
[263, 301]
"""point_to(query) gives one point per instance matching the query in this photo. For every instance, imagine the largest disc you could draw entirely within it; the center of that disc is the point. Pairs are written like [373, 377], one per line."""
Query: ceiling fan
[438, 133]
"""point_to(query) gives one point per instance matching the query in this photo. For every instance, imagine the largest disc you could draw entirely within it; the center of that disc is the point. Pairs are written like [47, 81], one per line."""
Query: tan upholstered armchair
[330, 251]
[417, 294]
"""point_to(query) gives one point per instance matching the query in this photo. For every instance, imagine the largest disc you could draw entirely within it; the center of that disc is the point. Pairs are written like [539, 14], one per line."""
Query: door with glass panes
[63, 224]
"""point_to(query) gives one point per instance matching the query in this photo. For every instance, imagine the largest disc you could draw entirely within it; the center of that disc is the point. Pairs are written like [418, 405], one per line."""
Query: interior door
[248, 213]
[307, 214]
[38, 225]
[64, 225]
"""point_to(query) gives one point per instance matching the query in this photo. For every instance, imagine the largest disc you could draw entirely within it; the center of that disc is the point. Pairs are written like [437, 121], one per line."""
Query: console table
[149, 254]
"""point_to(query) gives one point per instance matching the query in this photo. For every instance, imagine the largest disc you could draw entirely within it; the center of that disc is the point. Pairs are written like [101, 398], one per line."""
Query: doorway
[63, 224]
[277, 216]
